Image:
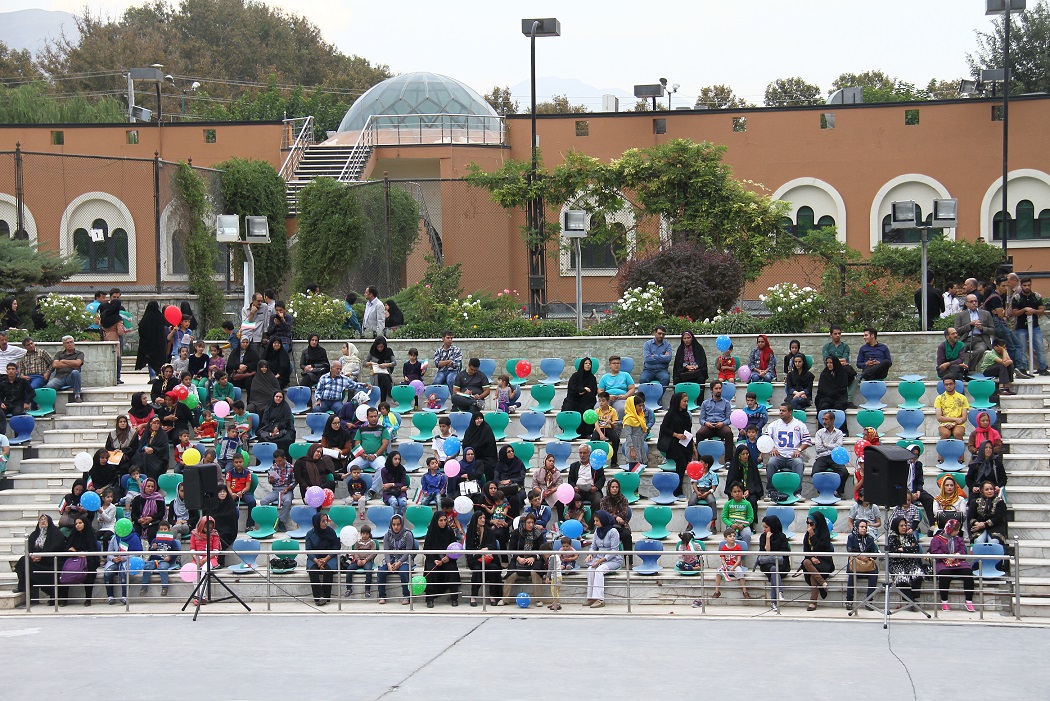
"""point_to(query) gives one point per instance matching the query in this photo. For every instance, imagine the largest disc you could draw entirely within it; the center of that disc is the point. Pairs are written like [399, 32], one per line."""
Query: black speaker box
[886, 475]
[201, 486]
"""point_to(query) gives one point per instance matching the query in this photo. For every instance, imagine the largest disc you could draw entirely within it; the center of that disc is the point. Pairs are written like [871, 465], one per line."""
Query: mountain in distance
[31, 29]
[578, 92]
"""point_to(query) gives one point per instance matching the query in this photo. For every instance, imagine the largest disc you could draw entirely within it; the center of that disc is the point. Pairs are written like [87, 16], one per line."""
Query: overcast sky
[616, 44]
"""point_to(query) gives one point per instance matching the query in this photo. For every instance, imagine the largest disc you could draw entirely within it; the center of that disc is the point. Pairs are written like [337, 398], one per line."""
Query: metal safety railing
[298, 135]
[654, 577]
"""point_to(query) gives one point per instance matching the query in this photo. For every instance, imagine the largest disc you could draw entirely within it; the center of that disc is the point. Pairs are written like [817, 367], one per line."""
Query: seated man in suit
[976, 329]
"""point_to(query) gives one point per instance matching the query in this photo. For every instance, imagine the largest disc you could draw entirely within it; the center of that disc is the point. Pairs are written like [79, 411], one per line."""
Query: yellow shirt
[607, 417]
[952, 406]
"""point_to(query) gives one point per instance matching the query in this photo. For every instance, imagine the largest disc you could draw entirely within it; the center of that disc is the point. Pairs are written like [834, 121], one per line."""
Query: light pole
[904, 215]
[532, 28]
[1003, 7]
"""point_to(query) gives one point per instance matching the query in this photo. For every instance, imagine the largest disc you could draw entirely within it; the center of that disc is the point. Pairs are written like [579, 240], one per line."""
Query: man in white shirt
[9, 352]
[790, 437]
[826, 439]
[374, 322]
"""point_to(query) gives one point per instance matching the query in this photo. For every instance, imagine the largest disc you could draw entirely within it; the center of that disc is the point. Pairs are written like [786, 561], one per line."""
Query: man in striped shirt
[331, 389]
[448, 361]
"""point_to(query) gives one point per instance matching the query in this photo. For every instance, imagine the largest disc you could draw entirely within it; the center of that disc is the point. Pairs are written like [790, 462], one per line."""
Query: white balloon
[463, 505]
[349, 536]
[765, 444]
[362, 412]
[82, 461]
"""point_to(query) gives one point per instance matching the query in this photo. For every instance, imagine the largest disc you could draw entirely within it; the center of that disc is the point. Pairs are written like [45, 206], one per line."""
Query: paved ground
[436, 657]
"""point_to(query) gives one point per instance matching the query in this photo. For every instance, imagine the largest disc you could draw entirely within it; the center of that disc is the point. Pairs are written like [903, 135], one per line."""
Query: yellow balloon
[191, 457]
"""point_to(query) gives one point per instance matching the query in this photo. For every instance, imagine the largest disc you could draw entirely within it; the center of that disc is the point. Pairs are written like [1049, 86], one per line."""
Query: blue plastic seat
[911, 423]
[439, 391]
[22, 425]
[561, 452]
[786, 514]
[263, 452]
[665, 483]
[533, 422]
[713, 448]
[960, 386]
[728, 391]
[950, 450]
[460, 421]
[487, 367]
[840, 417]
[873, 391]
[298, 398]
[237, 394]
[380, 516]
[255, 422]
[315, 422]
[552, 369]
[303, 518]
[653, 392]
[247, 550]
[411, 455]
[699, 519]
[374, 395]
[626, 364]
[971, 416]
[650, 564]
[986, 568]
[657, 517]
[826, 483]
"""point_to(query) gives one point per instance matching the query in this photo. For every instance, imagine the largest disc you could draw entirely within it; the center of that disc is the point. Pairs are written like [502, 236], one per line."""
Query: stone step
[1023, 512]
[77, 436]
[108, 409]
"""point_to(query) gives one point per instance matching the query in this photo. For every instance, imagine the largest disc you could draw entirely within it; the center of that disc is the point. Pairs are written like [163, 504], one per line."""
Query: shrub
[331, 232]
[696, 281]
[255, 188]
[65, 314]
[318, 314]
[201, 248]
[947, 260]
[792, 308]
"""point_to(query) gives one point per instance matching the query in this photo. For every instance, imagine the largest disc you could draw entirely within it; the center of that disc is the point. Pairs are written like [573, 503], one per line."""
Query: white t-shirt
[788, 436]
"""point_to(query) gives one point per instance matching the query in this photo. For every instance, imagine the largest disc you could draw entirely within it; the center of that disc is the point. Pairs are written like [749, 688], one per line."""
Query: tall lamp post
[905, 215]
[532, 28]
[1004, 7]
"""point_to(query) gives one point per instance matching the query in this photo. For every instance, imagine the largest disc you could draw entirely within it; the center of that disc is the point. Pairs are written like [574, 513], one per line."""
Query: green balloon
[419, 584]
[590, 416]
[192, 400]
[123, 527]
[244, 454]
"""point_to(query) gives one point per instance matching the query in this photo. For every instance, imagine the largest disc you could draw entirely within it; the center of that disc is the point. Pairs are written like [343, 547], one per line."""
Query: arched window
[1025, 227]
[597, 255]
[1042, 226]
[825, 221]
[997, 224]
[100, 250]
[804, 220]
[5, 229]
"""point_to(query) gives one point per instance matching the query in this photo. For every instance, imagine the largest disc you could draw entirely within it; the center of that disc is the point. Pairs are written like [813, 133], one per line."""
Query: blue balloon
[90, 501]
[723, 343]
[599, 458]
[135, 565]
[452, 445]
[572, 529]
[523, 600]
[840, 456]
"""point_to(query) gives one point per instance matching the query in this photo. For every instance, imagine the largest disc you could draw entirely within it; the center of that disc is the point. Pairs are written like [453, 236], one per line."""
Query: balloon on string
[221, 409]
[695, 470]
[572, 528]
[348, 536]
[840, 456]
[463, 505]
[314, 497]
[565, 493]
[859, 446]
[191, 457]
[452, 445]
[362, 412]
[523, 600]
[599, 458]
[738, 418]
[181, 391]
[82, 461]
[191, 400]
[723, 343]
[188, 572]
[135, 565]
[172, 315]
[744, 373]
[329, 498]
[590, 416]
[523, 368]
[123, 527]
[90, 501]
[419, 585]
[418, 386]
[454, 551]
[765, 444]
[451, 468]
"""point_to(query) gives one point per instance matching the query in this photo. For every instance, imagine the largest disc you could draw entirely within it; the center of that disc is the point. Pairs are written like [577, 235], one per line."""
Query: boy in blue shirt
[433, 484]
[757, 415]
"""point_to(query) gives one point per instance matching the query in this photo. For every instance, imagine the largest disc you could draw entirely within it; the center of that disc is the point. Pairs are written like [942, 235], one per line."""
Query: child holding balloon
[725, 363]
[704, 481]
[433, 484]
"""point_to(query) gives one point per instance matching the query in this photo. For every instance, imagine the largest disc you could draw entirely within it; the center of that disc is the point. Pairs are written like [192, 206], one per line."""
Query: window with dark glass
[101, 250]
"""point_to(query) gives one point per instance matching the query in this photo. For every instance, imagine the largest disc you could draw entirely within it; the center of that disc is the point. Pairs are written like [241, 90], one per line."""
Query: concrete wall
[100, 361]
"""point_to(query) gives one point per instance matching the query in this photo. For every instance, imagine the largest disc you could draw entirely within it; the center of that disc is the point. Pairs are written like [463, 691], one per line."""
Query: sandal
[811, 607]
[746, 595]
[716, 595]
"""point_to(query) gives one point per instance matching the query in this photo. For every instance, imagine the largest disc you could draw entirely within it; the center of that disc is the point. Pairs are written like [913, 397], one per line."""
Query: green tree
[943, 89]
[879, 87]
[26, 267]
[32, 104]
[403, 229]
[331, 233]
[1029, 48]
[720, 97]
[501, 101]
[17, 66]
[645, 104]
[791, 92]
[558, 104]
[947, 260]
[253, 188]
[201, 247]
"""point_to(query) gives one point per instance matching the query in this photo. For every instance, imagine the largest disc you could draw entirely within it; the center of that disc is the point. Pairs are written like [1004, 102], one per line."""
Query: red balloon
[859, 446]
[181, 391]
[329, 497]
[523, 368]
[695, 470]
[173, 315]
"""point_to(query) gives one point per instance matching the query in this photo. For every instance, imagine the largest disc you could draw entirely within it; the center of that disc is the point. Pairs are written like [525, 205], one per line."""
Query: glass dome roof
[414, 94]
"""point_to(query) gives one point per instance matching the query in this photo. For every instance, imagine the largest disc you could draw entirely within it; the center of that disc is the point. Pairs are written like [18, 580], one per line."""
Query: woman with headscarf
[494, 504]
[140, 413]
[381, 359]
[441, 571]
[202, 533]
[262, 388]
[985, 466]
[986, 514]
[162, 384]
[546, 480]
[101, 474]
[70, 507]
[480, 437]
[277, 425]
[122, 438]
[603, 558]
[279, 362]
[690, 363]
[832, 387]
[861, 565]
[394, 316]
[350, 361]
[510, 475]
[947, 544]
[950, 502]
[398, 544]
[336, 437]
[152, 454]
[985, 432]
[799, 383]
[320, 567]
[907, 573]
[525, 560]
[153, 340]
[762, 362]
[313, 469]
[676, 426]
[794, 348]
[616, 504]
[743, 468]
[772, 540]
[484, 568]
[81, 539]
[468, 472]
[313, 361]
[9, 317]
[394, 481]
[148, 510]
[816, 568]
[582, 393]
[227, 519]
[46, 537]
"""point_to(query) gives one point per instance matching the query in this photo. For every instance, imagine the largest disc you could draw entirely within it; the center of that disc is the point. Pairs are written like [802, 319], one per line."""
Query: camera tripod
[202, 591]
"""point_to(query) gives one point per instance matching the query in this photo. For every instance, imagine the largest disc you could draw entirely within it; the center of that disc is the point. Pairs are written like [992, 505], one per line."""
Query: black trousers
[321, 582]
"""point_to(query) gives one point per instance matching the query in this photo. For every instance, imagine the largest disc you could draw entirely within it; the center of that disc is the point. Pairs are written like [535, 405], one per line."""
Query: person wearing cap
[915, 482]
[999, 304]
[66, 368]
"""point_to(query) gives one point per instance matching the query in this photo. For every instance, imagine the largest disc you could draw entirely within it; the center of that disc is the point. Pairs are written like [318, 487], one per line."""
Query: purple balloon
[454, 551]
[738, 418]
[418, 386]
[314, 497]
[744, 373]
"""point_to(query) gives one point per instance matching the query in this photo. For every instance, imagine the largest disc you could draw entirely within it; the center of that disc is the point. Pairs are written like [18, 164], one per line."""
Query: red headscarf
[764, 354]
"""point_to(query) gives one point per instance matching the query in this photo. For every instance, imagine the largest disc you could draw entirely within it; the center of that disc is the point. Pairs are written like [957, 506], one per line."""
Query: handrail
[304, 138]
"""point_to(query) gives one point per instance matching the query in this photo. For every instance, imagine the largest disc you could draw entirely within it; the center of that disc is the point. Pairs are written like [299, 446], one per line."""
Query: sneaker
[368, 595]
[1023, 373]
[120, 382]
[349, 501]
[163, 591]
[78, 398]
[349, 592]
[697, 603]
[969, 607]
[110, 600]
[1044, 372]
[945, 607]
[124, 600]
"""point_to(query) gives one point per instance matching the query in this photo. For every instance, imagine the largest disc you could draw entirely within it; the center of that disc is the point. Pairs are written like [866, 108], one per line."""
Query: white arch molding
[818, 202]
[117, 215]
[912, 186]
[9, 213]
[1025, 184]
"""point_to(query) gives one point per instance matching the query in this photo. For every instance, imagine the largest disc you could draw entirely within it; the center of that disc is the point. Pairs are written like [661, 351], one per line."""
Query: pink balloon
[188, 572]
[565, 493]
[738, 418]
[221, 408]
[451, 468]
[744, 373]
[314, 497]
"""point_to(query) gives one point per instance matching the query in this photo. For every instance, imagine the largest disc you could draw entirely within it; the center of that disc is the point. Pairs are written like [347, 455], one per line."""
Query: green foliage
[1029, 48]
[254, 188]
[331, 233]
[17, 66]
[218, 334]
[403, 226]
[946, 260]
[501, 101]
[276, 102]
[31, 104]
[318, 314]
[51, 334]
[558, 104]
[24, 266]
[201, 247]
[696, 281]
[720, 97]
[65, 314]
[791, 92]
